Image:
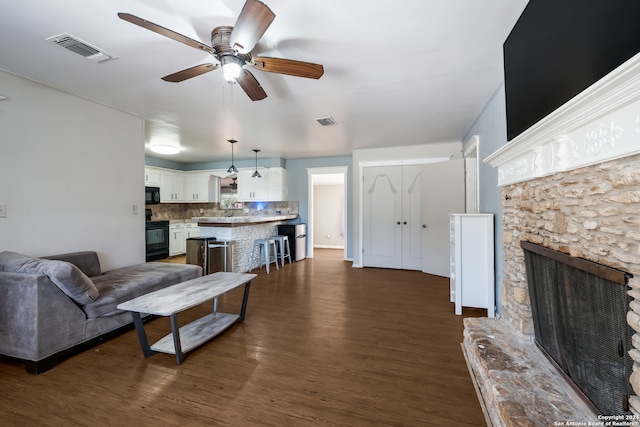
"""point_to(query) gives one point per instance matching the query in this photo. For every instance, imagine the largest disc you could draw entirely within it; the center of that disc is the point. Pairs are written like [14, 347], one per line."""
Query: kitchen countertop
[230, 221]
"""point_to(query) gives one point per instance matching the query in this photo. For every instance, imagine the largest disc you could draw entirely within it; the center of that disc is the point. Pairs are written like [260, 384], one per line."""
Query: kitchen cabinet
[270, 188]
[201, 187]
[172, 187]
[152, 177]
[207, 186]
[471, 255]
[177, 240]
[277, 185]
[252, 189]
[191, 229]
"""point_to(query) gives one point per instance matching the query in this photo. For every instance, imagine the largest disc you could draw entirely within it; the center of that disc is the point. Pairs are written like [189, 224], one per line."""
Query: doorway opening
[334, 176]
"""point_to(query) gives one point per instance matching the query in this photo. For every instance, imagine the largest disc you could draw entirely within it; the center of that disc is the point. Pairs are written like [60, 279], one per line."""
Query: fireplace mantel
[601, 123]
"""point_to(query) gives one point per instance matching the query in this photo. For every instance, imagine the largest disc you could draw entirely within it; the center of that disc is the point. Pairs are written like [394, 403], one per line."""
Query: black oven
[157, 240]
[151, 195]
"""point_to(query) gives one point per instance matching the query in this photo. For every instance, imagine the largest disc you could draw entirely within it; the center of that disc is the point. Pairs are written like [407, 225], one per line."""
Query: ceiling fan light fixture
[256, 174]
[232, 168]
[231, 67]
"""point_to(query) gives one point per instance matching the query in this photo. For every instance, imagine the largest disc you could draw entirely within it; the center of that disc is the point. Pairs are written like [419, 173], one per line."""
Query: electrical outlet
[3, 211]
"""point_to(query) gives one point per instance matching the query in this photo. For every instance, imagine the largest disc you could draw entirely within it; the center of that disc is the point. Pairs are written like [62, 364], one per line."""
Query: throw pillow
[64, 275]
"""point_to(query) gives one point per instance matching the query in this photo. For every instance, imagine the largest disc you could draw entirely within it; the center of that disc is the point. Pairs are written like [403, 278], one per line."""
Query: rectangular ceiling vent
[326, 121]
[80, 47]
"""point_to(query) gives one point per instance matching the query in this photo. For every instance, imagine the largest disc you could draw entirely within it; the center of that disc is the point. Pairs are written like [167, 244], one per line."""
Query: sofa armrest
[36, 318]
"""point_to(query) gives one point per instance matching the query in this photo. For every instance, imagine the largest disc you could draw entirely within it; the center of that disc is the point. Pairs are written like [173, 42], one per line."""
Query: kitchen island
[243, 230]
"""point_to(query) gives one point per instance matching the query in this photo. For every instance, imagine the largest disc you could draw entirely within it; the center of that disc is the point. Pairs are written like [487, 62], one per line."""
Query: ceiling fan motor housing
[220, 41]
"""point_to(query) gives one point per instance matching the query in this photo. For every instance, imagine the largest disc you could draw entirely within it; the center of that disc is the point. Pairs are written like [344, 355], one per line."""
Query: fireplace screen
[579, 313]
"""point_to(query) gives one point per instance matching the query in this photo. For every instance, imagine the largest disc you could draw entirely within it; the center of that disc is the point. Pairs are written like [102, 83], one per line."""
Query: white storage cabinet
[172, 187]
[177, 241]
[472, 262]
[252, 189]
[191, 229]
[151, 177]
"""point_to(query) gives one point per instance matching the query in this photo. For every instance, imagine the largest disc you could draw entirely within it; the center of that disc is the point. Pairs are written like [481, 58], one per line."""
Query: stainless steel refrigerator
[297, 234]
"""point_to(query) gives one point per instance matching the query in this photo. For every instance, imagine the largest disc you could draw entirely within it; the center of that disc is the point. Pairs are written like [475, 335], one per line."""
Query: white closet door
[412, 191]
[443, 194]
[382, 236]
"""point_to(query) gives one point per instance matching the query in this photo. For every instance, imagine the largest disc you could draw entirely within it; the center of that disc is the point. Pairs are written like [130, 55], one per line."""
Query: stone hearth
[570, 183]
[525, 389]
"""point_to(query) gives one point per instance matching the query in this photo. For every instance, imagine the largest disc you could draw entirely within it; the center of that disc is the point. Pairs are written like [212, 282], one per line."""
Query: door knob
[405, 223]
[398, 222]
[424, 225]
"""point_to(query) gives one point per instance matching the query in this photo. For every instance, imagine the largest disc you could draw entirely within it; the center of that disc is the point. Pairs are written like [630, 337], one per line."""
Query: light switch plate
[3, 211]
[134, 209]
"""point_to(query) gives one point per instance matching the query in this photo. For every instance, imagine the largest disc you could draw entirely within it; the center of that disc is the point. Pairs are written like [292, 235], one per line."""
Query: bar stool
[264, 253]
[284, 251]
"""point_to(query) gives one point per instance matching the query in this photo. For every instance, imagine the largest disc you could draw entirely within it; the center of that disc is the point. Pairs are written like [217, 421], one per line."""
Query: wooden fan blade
[289, 66]
[252, 23]
[190, 72]
[250, 85]
[164, 32]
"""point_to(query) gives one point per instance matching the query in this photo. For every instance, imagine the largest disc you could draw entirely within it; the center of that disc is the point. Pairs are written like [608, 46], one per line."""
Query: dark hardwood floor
[323, 344]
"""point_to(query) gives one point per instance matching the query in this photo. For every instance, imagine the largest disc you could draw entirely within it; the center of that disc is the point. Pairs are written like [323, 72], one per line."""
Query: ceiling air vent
[326, 121]
[80, 47]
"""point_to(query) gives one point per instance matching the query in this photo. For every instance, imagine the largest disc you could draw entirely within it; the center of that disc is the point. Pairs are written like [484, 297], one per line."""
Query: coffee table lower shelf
[196, 333]
[172, 300]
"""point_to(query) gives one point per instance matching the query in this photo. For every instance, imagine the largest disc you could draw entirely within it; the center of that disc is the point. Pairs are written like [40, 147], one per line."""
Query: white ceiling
[402, 73]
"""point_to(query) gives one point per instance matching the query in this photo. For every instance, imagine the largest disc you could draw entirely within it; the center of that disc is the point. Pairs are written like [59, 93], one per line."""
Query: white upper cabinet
[151, 177]
[277, 185]
[172, 186]
[204, 186]
[252, 189]
[201, 187]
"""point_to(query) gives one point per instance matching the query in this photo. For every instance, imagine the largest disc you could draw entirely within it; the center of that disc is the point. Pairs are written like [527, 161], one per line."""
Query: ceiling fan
[232, 46]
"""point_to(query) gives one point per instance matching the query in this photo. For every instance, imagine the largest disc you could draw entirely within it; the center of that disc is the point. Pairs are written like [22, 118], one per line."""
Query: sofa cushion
[126, 283]
[64, 275]
[86, 261]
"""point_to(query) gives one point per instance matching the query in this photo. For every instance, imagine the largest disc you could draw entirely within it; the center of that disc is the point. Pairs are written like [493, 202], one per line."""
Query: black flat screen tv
[558, 48]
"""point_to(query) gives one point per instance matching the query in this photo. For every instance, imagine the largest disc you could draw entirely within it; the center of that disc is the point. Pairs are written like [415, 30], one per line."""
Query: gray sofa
[55, 306]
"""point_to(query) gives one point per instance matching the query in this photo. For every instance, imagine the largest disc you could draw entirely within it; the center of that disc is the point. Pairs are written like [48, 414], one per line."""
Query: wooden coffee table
[174, 299]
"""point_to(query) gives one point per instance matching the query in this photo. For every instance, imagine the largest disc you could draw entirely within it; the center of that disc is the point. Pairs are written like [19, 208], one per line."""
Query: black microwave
[151, 195]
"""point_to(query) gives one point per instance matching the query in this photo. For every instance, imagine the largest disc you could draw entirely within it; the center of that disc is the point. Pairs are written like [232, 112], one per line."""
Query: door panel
[443, 194]
[382, 237]
[412, 217]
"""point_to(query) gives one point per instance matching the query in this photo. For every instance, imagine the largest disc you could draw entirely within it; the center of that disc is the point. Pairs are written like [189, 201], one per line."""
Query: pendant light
[256, 174]
[232, 168]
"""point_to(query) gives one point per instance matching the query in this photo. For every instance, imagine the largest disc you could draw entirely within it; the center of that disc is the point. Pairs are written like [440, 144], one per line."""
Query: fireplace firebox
[579, 311]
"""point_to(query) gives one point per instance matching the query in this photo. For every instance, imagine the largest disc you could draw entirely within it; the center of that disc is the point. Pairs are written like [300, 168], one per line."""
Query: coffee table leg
[244, 301]
[142, 335]
[176, 339]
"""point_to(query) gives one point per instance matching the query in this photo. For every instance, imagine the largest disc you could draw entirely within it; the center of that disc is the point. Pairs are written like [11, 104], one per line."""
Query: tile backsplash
[185, 211]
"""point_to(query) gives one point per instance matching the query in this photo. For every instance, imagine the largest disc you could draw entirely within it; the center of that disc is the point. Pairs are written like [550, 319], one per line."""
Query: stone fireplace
[570, 183]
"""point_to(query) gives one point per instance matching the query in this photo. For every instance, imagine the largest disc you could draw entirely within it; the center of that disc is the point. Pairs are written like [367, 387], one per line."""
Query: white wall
[491, 128]
[328, 216]
[406, 155]
[70, 171]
